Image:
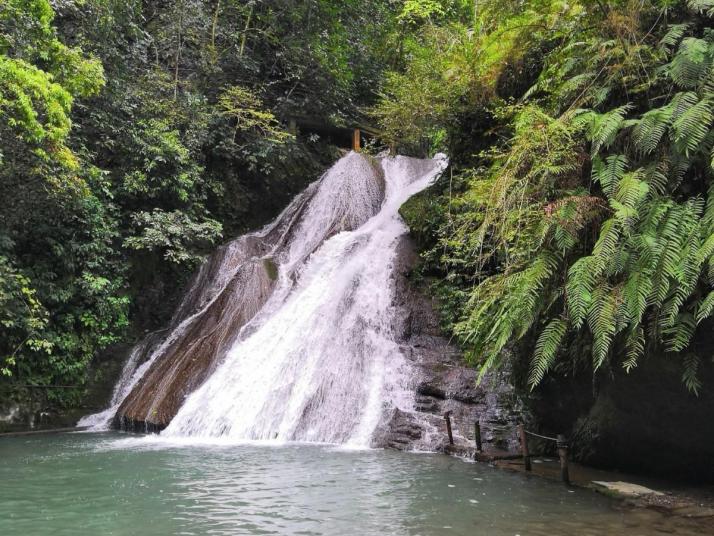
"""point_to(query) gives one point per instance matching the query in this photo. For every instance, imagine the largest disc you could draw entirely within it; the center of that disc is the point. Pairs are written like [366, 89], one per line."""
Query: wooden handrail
[30, 386]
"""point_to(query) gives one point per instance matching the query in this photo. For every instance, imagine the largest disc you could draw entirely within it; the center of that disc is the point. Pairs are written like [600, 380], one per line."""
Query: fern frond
[601, 320]
[708, 217]
[656, 177]
[690, 375]
[673, 36]
[706, 250]
[632, 190]
[635, 347]
[609, 172]
[679, 164]
[604, 127]
[705, 308]
[691, 63]
[692, 126]
[678, 335]
[546, 349]
[635, 295]
[623, 214]
[606, 244]
[650, 129]
[702, 6]
[582, 278]
[683, 101]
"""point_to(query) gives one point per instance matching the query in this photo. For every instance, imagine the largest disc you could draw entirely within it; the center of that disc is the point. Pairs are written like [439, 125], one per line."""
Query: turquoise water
[111, 484]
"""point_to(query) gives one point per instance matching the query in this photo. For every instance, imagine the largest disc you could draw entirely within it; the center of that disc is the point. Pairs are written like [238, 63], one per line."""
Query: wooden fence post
[356, 140]
[477, 435]
[563, 455]
[447, 417]
[31, 422]
[524, 448]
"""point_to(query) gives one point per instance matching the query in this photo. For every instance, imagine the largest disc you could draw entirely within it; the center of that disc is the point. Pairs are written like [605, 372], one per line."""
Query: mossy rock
[271, 268]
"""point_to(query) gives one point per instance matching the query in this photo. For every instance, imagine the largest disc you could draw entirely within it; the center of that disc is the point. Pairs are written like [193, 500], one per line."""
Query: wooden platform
[350, 136]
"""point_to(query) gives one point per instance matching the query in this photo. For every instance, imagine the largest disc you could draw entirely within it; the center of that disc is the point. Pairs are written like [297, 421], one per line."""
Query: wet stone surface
[444, 383]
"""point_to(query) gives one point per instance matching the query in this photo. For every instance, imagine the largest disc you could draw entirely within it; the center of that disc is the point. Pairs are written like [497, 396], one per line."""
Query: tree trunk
[245, 31]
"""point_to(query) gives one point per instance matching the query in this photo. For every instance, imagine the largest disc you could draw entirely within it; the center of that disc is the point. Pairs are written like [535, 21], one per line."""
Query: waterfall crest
[288, 333]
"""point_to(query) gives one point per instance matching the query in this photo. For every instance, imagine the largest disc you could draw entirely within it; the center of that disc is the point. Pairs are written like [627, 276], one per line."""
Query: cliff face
[643, 422]
[443, 382]
[204, 328]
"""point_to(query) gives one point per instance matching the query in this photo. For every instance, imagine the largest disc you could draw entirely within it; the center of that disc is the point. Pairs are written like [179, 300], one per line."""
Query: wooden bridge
[352, 136]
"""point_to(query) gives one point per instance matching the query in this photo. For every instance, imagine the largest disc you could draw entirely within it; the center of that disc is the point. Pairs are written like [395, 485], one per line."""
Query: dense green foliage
[580, 212]
[577, 217]
[135, 135]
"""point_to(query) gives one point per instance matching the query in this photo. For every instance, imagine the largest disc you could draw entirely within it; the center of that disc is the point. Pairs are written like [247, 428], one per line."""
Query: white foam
[320, 363]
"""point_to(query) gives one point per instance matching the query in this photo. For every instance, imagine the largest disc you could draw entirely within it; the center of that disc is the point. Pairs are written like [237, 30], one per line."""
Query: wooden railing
[560, 441]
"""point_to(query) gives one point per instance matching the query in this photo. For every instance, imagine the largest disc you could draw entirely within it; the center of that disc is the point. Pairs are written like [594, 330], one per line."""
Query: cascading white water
[128, 377]
[320, 362]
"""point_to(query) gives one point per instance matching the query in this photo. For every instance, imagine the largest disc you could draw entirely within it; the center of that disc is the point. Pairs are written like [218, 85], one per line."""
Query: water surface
[111, 484]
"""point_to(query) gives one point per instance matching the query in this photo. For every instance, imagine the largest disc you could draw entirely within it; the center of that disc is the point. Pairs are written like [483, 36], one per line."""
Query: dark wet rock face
[444, 383]
[645, 422]
[186, 362]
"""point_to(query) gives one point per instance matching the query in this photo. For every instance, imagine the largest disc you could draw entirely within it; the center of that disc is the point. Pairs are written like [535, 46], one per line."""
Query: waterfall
[131, 373]
[314, 355]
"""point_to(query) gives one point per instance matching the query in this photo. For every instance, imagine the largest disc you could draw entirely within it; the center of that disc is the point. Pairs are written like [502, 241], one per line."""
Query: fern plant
[624, 253]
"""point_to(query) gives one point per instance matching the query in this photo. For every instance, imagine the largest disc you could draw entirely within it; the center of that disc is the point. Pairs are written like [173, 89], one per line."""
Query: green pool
[112, 484]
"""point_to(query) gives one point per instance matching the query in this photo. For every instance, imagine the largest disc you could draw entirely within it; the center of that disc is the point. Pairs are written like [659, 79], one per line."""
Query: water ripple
[108, 484]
